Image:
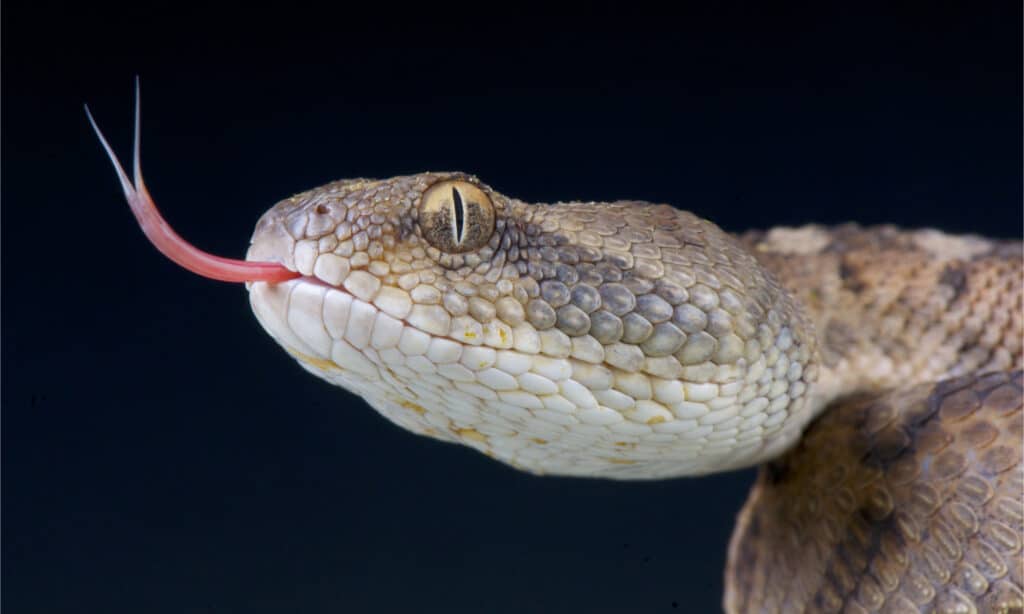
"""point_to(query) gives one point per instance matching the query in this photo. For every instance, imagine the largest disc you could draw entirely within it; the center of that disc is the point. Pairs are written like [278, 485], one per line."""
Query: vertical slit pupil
[460, 215]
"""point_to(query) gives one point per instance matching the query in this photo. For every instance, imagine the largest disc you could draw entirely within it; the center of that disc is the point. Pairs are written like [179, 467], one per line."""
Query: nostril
[322, 209]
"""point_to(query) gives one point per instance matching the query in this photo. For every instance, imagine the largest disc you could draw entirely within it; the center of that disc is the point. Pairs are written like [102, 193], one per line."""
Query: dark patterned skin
[907, 502]
[903, 496]
[893, 307]
[906, 494]
[636, 341]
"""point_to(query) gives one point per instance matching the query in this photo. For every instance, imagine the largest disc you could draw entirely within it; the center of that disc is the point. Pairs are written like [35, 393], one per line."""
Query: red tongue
[168, 242]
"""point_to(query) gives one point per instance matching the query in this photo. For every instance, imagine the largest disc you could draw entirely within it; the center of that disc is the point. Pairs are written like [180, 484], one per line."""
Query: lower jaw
[431, 386]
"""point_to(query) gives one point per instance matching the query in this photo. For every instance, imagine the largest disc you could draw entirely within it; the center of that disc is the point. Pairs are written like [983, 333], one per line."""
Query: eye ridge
[460, 216]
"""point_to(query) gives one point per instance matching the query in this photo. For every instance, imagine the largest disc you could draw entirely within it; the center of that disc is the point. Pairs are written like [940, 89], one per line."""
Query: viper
[873, 373]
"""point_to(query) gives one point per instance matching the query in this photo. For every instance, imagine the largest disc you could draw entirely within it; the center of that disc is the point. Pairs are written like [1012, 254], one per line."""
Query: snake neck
[893, 307]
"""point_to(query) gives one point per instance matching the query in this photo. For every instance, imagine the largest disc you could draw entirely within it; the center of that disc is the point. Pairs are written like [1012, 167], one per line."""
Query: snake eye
[456, 216]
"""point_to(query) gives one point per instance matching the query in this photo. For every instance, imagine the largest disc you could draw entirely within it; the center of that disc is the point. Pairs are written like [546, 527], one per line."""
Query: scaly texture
[895, 307]
[623, 339]
[910, 502]
[636, 341]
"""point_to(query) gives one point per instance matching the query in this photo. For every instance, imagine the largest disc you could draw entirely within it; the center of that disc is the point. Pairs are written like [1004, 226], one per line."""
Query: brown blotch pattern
[892, 308]
[918, 509]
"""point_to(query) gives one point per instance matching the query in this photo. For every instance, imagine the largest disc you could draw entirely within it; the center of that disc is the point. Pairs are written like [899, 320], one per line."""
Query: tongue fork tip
[163, 237]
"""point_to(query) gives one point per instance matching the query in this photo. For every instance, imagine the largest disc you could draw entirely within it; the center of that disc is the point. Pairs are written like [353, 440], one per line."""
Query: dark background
[162, 454]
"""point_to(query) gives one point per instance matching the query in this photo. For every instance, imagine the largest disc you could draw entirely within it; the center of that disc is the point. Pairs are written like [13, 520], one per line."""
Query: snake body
[630, 340]
[635, 341]
[906, 494]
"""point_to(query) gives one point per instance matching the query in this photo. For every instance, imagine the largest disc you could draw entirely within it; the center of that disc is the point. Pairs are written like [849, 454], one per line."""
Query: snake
[874, 373]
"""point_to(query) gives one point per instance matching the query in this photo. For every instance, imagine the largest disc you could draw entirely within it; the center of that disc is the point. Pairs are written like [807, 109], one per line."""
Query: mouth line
[313, 279]
[494, 335]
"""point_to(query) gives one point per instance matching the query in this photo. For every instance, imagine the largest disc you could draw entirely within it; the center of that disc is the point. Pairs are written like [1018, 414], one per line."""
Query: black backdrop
[161, 454]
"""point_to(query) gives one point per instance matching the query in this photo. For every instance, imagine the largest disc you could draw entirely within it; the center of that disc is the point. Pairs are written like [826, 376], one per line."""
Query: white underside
[545, 414]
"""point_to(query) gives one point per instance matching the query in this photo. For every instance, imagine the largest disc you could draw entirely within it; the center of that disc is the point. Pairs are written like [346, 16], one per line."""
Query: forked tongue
[168, 242]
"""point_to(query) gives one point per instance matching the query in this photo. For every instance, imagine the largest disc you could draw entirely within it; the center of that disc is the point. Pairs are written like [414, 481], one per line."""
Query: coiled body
[906, 494]
[904, 502]
[629, 340]
[636, 341]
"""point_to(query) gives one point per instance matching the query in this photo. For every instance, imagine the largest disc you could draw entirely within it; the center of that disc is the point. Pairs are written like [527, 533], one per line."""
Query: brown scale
[909, 500]
[918, 509]
[904, 496]
[935, 308]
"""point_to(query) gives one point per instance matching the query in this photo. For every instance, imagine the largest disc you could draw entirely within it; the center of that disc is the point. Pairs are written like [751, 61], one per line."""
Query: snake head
[621, 339]
[603, 339]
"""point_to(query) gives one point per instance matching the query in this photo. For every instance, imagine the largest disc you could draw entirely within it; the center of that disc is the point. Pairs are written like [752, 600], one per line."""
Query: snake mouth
[165, 239]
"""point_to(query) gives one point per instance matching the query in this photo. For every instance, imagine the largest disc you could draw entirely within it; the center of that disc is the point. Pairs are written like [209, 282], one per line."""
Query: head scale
[615, 339]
